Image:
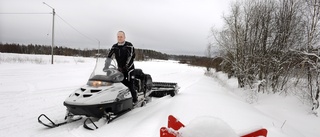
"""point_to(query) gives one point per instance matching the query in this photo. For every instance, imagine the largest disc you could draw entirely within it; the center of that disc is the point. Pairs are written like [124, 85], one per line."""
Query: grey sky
[169, 26]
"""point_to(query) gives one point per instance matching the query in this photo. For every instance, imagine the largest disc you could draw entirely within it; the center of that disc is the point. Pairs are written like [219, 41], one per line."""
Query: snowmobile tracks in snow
[95, 123]
[90, 123]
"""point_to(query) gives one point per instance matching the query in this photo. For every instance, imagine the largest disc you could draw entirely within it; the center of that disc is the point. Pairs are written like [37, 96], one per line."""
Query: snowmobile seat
[143, 81]
[139, 79]
[138, 73]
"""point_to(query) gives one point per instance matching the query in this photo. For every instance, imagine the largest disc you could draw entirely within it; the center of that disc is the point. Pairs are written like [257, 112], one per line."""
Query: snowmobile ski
[51, 124]
[95, 123]
[90, 124]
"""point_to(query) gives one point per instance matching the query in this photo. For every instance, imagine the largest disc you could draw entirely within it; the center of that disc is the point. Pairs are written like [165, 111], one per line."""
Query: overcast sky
[178, 27]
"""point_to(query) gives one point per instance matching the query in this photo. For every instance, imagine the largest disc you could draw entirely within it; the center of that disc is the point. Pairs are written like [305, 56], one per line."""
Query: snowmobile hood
[88, 95]
[104, 86]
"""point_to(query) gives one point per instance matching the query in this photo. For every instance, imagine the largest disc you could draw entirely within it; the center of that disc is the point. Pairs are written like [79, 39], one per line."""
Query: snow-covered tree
[311, 53]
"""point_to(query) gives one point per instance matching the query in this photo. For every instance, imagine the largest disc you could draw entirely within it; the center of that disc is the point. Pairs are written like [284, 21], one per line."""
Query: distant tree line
[145, 54]
[265, 43]
[46, 50]
[201, 61]
[141, 54]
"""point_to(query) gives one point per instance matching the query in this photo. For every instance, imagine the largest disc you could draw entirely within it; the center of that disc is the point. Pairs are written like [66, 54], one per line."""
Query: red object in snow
[258, 133]
[174, 124]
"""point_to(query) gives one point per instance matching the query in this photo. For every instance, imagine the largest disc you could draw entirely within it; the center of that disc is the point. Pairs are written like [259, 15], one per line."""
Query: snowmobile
[105, 96]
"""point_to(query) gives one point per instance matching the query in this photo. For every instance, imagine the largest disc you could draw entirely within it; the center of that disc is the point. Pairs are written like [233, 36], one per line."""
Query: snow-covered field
[30, 86]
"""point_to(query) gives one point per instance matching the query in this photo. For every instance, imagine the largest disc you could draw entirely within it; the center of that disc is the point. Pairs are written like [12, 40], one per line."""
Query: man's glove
[120, 69]
[123, 69]
[106, 64]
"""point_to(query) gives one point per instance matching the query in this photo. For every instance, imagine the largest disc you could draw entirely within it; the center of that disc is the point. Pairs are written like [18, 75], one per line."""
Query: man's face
[121, 37]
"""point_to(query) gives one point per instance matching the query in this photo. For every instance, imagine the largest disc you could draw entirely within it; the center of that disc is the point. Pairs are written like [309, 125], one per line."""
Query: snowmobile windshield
[107, 64]
[111, 75]
[103, 63]
[105, 71]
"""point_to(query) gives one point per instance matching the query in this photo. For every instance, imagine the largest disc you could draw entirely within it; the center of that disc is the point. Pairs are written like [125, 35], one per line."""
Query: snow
[207, 126]
[30, 86]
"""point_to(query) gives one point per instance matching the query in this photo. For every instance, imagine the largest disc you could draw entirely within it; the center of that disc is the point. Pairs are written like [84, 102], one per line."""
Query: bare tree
[208, 54]
[312, 15]
[257, 39]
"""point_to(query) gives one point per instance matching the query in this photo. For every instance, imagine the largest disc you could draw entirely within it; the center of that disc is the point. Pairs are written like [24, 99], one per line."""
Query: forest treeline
[272, 45]
[141, 54]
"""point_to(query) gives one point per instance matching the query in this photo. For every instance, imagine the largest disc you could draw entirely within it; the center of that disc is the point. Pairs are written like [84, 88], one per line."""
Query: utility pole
[52, 45]
[98, 47]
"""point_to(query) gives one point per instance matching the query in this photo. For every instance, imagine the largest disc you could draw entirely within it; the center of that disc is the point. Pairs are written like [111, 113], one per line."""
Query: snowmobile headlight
[99, 83]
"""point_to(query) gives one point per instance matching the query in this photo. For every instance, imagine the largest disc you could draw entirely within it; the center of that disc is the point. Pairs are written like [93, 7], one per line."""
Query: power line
[24, 13]
[34, 13]
[75, 29]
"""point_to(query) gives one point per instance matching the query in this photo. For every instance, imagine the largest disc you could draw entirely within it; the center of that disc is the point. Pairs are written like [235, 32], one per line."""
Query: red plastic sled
[174, 125]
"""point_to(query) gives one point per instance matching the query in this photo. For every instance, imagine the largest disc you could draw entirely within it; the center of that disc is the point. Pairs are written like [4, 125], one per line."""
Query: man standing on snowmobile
[125, 54]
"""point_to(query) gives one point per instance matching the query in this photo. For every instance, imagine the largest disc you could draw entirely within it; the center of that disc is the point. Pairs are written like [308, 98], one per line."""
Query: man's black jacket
[124, 54]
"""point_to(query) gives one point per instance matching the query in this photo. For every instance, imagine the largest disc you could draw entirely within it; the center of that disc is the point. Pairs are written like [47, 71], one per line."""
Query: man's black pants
[129, 82]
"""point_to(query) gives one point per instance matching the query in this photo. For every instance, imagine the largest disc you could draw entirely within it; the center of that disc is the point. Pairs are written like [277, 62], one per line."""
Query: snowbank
[30, 89]
[207, 126]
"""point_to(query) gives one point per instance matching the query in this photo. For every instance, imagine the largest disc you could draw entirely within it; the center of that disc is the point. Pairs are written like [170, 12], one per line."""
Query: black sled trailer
[160, 89]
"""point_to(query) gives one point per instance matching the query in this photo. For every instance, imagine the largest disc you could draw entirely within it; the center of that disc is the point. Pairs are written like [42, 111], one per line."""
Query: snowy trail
[28, 90]
[146, 121]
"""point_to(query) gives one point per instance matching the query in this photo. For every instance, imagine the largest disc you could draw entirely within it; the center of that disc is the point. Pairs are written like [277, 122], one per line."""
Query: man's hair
[122, 32]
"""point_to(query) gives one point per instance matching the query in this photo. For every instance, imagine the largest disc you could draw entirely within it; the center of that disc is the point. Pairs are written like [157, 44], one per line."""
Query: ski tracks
[145, 121]
[139, 122]
[28, 91]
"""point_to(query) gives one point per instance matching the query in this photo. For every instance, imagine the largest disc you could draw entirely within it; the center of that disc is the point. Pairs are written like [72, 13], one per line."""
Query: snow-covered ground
[30, 86]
